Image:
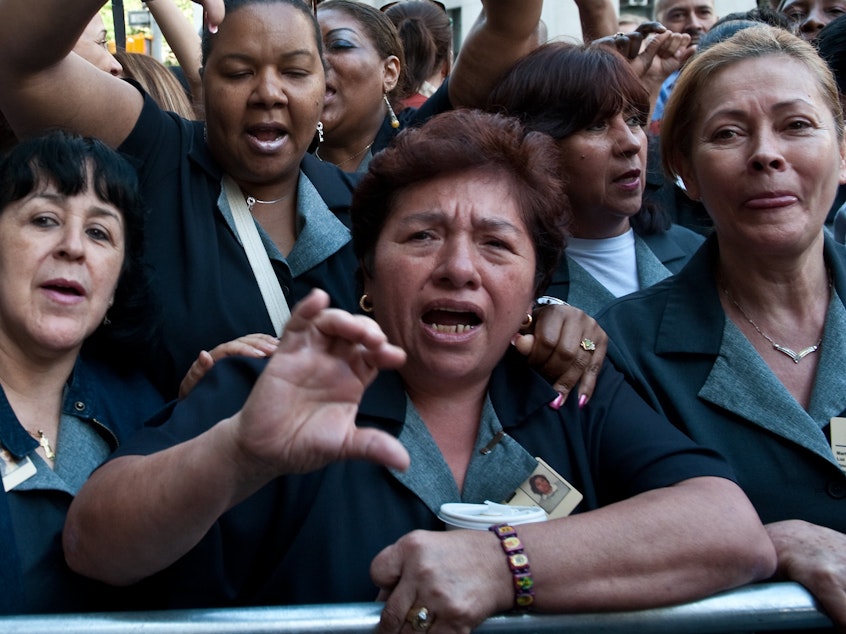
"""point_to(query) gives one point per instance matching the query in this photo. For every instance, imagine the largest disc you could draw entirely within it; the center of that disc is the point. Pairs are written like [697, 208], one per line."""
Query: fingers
[379, 447]
[650, 27]
[556, 349]
[213, 11]
[196, 372]
[627, 44]
[375, 349]
[256, 345]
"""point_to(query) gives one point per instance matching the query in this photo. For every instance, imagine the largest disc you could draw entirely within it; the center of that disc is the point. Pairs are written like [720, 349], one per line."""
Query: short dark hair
[561, 88]
[67, 161]
[459, 142]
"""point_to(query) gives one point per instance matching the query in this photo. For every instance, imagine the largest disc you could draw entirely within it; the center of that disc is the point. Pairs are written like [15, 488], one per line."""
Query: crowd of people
[257, 328]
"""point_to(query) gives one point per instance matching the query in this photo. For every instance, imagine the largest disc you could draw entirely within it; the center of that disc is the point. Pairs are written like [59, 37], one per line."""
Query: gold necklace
[346, 160]
[796, 356]
[45, 444]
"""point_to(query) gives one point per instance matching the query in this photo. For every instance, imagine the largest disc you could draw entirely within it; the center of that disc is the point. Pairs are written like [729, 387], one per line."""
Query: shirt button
[79, 406]
[837, 490]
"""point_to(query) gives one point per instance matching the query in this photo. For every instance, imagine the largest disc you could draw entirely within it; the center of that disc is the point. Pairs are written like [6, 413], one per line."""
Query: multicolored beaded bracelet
[518, 563]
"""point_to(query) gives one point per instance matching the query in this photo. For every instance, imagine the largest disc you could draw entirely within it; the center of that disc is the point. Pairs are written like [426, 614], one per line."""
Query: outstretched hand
[301, 412]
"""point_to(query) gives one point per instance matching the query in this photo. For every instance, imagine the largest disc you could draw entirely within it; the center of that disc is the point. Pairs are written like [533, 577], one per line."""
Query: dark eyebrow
[59, 199]
[435, 216]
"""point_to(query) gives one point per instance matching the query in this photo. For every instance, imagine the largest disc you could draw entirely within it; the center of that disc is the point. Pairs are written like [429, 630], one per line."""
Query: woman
[367, 76]
[617, 245]
[425, 30]
[456, 237]
[743, 349]
[70, 278]
[218, 273]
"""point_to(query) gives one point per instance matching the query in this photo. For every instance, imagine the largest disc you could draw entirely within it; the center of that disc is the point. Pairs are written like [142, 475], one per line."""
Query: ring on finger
[587, 345]
[420, 618]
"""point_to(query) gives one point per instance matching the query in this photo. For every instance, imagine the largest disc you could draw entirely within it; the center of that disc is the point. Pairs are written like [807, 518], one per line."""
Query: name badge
[15, 471]
[547, 489]
[838, 441]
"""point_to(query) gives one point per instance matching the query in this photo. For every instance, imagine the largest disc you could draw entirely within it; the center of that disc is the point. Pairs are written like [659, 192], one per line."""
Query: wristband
[518, 564]
[548, 300]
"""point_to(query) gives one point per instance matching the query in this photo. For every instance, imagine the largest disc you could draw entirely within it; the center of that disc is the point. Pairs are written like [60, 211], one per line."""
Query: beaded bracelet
[518, 563]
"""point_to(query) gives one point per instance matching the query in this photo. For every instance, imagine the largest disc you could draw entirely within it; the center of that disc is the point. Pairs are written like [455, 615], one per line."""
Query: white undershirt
[611, 261]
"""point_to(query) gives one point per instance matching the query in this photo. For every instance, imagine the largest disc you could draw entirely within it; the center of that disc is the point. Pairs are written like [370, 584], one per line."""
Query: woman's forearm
[665, 546]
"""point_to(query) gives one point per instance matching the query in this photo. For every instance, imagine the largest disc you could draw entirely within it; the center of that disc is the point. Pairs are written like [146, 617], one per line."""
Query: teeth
[453, 330]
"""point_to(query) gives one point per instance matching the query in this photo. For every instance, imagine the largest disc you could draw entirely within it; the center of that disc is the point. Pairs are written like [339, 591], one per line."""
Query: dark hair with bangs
[561, 88]
[230, 6]
[69, 162]
[463, 142]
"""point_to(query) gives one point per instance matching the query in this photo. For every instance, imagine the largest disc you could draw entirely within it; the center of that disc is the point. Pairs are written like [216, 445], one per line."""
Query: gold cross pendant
[45, 443]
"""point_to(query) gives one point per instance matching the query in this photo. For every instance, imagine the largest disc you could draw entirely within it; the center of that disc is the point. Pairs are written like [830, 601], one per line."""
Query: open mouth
[268, 136]
[453, 322]
[64, 288]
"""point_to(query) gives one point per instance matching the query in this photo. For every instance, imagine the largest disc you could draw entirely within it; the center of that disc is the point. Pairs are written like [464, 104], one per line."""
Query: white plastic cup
[482, 516]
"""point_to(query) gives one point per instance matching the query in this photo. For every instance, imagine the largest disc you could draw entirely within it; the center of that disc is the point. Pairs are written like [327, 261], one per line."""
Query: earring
[365, 304]
[320, 132]
[106, 320]
[391, 113]
[528, 321]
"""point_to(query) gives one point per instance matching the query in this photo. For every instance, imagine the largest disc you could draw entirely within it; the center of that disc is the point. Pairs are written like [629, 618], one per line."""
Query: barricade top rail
[754, 608]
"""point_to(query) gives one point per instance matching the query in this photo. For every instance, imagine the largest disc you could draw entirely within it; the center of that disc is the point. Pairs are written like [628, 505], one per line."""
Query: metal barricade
[754, 608]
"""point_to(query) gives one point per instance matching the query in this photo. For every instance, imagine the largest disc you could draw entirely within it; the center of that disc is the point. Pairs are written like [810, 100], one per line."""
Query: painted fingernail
[583, 399]
[558, 402]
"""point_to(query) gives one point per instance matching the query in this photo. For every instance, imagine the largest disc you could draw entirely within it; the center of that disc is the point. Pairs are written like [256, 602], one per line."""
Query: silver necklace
[796, 356]
[346, 160]
[252, 200]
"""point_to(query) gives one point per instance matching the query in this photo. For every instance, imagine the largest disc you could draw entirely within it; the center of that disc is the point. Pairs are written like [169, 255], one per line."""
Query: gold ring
[588, 345]
[419, 618]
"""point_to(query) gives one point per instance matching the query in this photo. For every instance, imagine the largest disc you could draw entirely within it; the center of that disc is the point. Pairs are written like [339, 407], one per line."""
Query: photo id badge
[547, 489]
[15, 471]
[838, 441]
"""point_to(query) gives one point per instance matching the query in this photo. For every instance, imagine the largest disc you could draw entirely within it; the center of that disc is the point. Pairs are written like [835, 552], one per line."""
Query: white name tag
[15, 471]
[838, 441]
[547, 489]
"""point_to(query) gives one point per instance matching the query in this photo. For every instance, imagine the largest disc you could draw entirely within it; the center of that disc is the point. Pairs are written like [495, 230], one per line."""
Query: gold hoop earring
[528, 321]
[365, 304]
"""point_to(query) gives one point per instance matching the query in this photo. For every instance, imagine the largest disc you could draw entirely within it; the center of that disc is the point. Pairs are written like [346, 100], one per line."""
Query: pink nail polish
[583, 399]
[558, 402]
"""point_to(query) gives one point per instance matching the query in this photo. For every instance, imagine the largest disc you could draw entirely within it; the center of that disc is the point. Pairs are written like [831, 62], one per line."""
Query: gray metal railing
[754, 608]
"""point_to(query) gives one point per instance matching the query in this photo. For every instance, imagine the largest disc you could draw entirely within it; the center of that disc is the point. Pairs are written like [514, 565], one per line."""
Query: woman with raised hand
[285, 482]
[242, 217]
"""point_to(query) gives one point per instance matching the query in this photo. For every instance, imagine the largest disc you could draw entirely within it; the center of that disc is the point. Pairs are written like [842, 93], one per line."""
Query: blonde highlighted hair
[684, 108]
